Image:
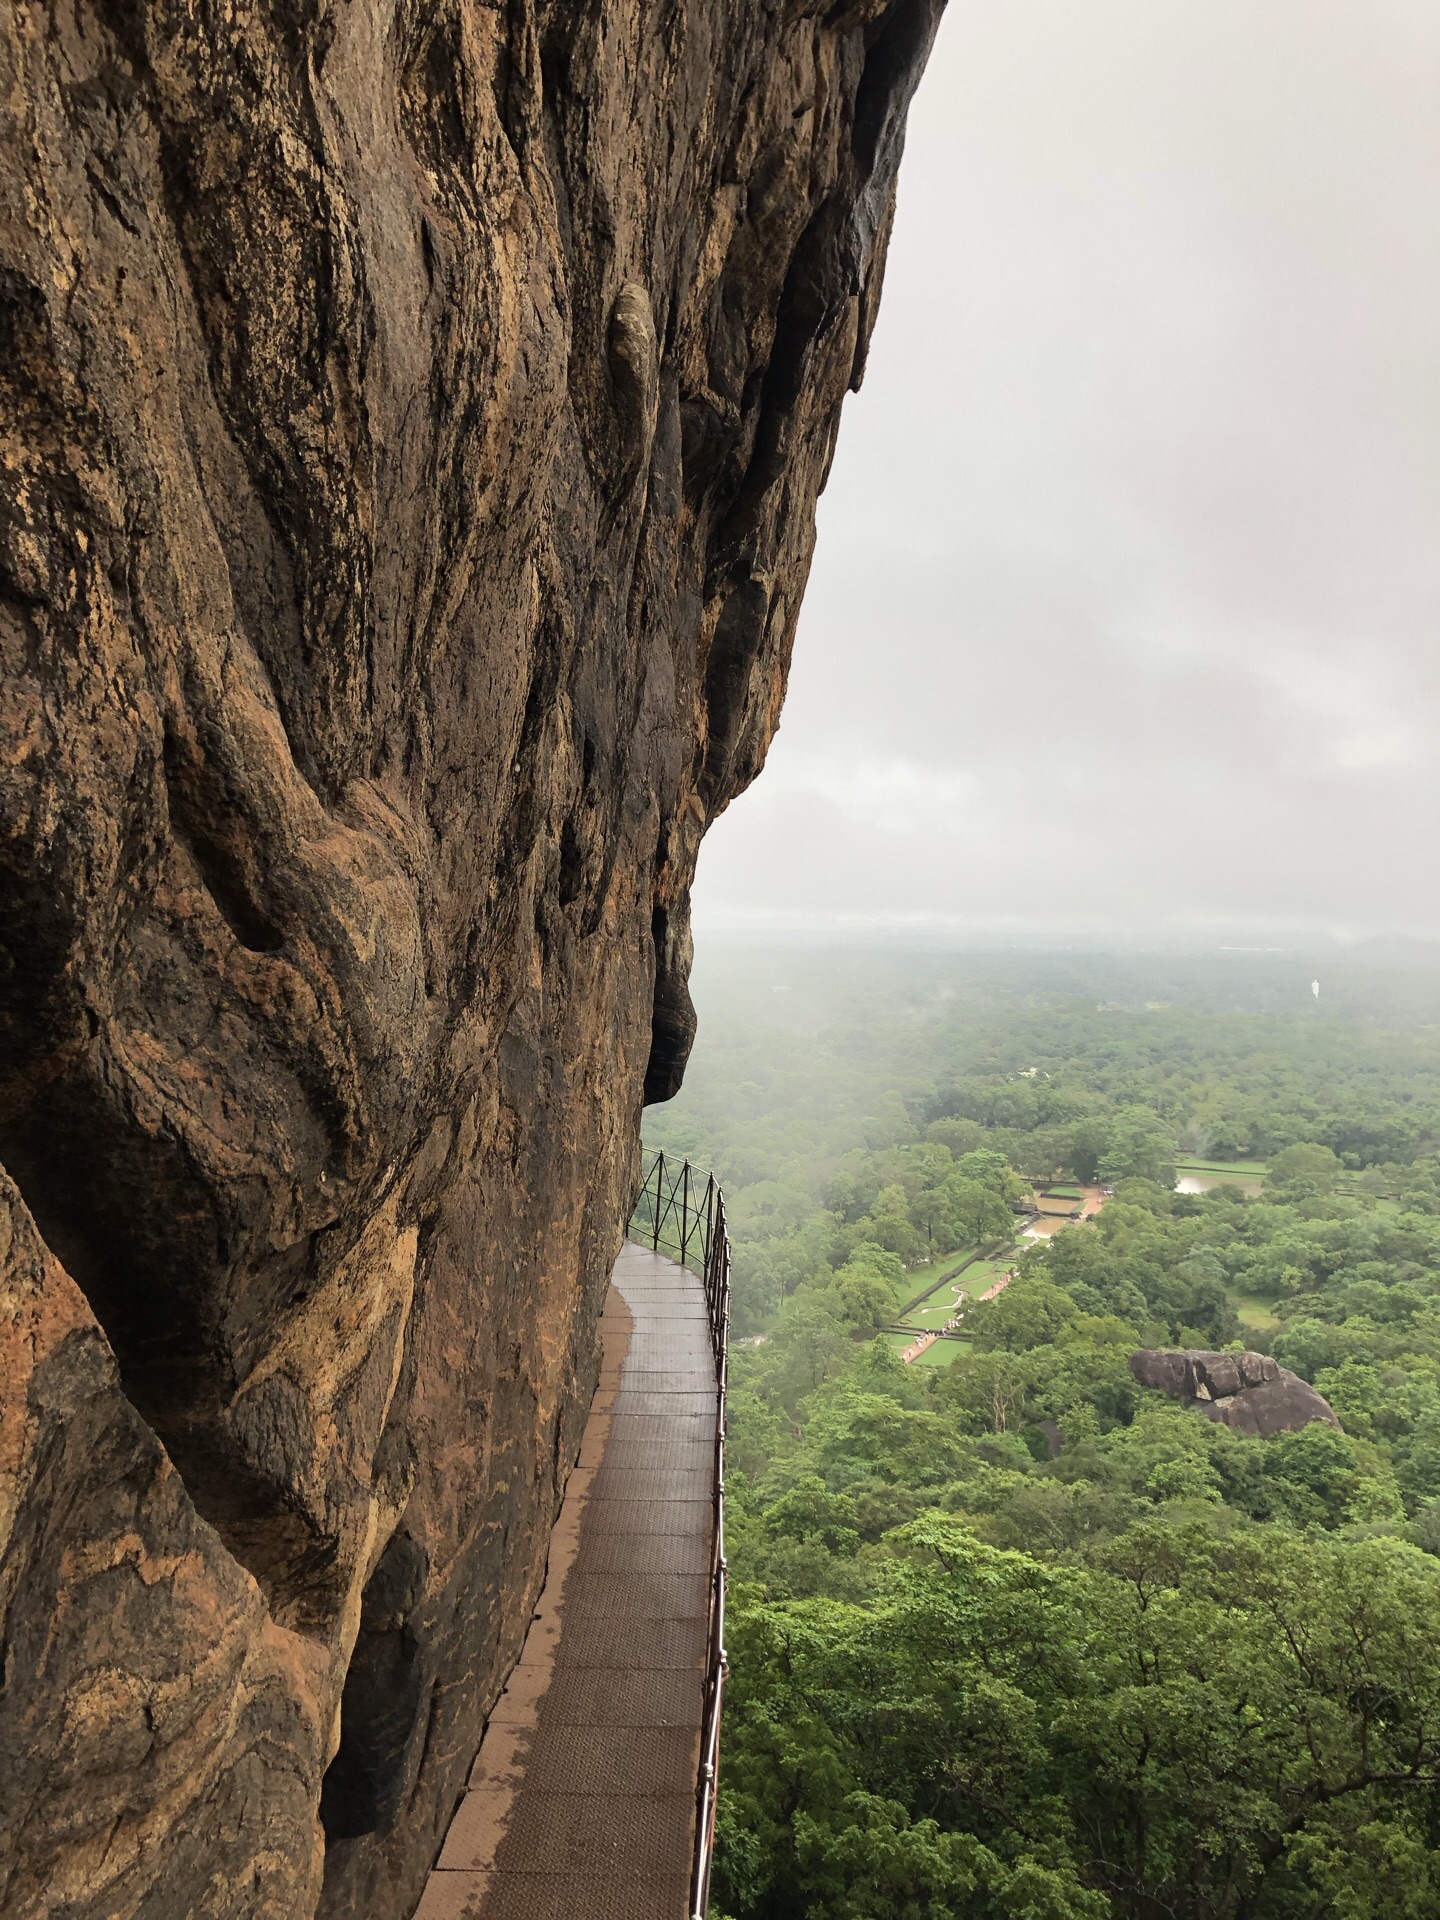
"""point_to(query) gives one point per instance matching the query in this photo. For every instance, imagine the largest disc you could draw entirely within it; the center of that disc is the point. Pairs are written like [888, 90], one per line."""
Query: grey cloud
[1127, 593]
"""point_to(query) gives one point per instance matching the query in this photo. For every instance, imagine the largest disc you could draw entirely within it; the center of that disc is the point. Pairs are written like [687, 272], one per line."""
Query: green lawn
[924, 1270]
[933, 1314]
[940, 1306]
[1218, 1176]
[942, 1353]
[1252, 1168]
[1253, 1314]
[994, 1263]
[939, 1354]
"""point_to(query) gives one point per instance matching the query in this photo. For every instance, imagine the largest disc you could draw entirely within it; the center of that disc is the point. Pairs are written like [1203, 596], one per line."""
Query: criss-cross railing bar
[671, 1212]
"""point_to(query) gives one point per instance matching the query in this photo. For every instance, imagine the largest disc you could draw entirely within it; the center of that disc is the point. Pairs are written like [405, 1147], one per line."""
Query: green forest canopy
[1172, 1669]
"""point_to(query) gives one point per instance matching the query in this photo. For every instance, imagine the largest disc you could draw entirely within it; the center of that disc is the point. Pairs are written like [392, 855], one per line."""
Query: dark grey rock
[1054, 1437]
[1247, 1391]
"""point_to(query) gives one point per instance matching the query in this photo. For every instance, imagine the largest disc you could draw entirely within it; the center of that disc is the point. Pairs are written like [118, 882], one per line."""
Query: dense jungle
[1013, 1635]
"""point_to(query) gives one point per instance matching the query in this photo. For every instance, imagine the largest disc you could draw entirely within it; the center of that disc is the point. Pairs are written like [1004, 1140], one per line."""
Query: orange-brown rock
[411, 420]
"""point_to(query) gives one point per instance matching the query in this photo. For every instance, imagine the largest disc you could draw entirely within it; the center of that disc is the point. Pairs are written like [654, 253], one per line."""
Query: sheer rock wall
[412, 419]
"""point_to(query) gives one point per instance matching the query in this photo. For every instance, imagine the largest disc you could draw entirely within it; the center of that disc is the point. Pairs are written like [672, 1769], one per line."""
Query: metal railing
[681, 1211]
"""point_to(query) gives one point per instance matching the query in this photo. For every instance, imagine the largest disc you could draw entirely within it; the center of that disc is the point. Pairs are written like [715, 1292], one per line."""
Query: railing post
[707, 1261]
[658, 1170]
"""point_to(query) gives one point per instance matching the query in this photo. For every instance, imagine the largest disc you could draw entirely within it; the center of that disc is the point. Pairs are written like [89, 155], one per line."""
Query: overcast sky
[1127, 598]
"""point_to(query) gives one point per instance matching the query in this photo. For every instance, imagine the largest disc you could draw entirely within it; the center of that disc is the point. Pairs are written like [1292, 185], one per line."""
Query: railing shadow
[681, 1212]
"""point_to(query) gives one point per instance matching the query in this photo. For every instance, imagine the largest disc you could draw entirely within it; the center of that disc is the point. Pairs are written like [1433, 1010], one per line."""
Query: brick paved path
[581, 1802]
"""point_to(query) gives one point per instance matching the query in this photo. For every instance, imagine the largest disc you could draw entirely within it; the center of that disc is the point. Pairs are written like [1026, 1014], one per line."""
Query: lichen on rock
[411, 420]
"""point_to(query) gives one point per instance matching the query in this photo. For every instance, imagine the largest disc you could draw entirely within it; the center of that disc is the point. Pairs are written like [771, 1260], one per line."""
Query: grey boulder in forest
[1247, 1391]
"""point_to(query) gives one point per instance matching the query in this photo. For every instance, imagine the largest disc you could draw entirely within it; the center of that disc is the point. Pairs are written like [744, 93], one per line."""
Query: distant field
[940, 1306]
[929, 1273]
[939, 1354]
[932, 1315]
[924, 1270]
[1251, 1167]
[1254, 1313]
[986, 1270]
[1193, 1177]
[942, 1353]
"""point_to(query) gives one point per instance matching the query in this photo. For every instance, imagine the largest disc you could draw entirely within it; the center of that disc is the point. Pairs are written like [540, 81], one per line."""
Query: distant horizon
[758, 927]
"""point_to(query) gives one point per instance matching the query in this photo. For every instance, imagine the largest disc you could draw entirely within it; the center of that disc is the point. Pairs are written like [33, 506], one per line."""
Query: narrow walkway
[581, 1802]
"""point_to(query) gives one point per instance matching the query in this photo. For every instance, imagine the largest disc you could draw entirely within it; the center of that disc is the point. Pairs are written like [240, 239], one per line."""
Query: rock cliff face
[412, 421]
[1247, 1391]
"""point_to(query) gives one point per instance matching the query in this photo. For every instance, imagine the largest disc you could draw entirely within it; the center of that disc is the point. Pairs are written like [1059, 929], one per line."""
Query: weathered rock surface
[1247, 1391]
[411, 419]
